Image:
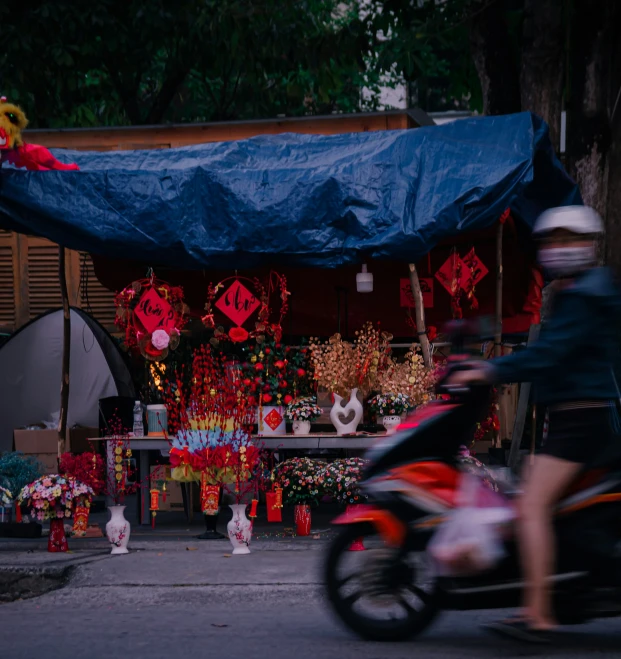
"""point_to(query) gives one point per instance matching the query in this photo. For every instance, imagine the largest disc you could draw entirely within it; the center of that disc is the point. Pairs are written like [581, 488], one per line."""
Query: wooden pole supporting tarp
[498, 328]
[520, 417]
[66, 359]
[419, 314]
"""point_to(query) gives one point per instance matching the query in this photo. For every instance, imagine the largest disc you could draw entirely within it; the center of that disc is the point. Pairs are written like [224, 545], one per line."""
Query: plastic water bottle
[138, 425]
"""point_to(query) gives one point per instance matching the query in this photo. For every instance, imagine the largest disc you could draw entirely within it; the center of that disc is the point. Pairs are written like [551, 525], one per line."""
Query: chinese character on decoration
[238, 303]
[407, 297]
[152, 314]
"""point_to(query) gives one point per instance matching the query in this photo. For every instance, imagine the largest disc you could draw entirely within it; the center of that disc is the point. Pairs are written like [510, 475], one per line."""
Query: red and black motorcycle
[393, 591]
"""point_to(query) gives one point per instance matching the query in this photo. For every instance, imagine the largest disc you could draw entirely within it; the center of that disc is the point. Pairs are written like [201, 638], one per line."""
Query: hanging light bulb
[364, 281]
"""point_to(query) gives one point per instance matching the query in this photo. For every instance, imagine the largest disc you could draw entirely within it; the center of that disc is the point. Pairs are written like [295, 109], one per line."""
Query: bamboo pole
[498, 332]
[419, 313]
[66, 361]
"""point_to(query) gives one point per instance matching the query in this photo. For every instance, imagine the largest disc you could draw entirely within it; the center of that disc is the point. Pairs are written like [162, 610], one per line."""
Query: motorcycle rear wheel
[416, 619]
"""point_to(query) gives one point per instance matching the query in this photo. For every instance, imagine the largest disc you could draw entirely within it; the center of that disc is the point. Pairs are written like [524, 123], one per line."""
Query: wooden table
[285, 443]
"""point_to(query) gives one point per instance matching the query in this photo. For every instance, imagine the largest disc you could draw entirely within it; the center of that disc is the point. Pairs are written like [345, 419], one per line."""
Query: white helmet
[577, 219]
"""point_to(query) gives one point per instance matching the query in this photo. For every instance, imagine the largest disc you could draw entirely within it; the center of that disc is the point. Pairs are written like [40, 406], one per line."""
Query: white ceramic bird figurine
[340, 412]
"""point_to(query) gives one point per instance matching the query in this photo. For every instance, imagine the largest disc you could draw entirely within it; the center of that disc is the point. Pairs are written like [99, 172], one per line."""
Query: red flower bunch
[88, 468]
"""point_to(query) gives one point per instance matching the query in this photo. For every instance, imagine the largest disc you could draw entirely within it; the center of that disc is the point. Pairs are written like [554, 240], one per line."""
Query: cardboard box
[41, 445]
[79, 440]
[36, 441]
[174, 497]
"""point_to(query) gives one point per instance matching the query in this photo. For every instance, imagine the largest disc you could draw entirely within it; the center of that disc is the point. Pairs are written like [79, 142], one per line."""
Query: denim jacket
[578, 351]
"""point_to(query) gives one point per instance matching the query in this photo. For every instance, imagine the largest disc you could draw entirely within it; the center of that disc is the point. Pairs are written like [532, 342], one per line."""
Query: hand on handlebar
[463, 378]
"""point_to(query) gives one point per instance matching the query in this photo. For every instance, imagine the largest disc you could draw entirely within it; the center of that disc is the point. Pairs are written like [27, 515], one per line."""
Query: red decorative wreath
[152, 314]
[238, 303]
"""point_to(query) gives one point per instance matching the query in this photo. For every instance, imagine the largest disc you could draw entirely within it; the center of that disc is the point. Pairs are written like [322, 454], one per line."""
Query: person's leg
[548, 479]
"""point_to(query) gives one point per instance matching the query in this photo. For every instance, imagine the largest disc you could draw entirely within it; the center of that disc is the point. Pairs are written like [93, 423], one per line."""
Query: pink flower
[160, 339]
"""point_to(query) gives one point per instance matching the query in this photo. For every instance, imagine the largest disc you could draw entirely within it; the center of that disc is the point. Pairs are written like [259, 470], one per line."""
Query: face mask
[566, 261]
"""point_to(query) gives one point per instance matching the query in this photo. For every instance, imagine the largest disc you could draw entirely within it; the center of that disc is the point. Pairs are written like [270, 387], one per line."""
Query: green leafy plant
[18, 470]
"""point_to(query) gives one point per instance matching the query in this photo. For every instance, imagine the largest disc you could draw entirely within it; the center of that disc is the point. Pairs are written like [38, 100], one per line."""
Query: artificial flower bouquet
[342, 478]
[303, 409]
[301, 480]
[390, 404]
[6, 498]
[55, 497]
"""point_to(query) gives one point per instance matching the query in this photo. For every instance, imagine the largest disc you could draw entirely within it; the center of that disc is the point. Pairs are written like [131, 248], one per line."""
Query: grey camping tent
[30, 373]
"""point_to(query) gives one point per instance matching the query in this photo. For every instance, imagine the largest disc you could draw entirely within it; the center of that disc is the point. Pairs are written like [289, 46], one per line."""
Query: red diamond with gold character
[273, 419]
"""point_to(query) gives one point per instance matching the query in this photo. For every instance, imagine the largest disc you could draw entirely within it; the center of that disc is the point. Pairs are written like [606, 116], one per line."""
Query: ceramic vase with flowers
[390, 409]
[55, 498]
[301, 413]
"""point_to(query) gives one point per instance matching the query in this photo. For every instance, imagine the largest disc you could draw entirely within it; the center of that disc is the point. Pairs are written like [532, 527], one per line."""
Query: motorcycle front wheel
[387, 594]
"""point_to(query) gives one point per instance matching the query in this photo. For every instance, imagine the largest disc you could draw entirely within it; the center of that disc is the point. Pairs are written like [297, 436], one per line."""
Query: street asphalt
[179, 597]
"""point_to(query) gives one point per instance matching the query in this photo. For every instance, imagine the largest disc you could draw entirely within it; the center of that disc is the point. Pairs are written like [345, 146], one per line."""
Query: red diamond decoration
[273, 419]
[475, 269]
[237, 303]
[154, 312]
[453, 267]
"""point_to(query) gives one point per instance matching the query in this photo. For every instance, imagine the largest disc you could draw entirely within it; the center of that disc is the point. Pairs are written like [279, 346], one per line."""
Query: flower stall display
[6, 502]
[341, 478]
[16, 471]
[238, 298]
[55, 498]
[301, 412]
[152, 314]
[341, 481]
[390, 408]
[273, 376]
[213, 443]
[409, 377]
[344, 368]
[88, 468]
[302, 483]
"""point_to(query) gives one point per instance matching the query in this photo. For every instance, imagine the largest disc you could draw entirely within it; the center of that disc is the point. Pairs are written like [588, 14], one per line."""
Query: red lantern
[258, 366]
[267, 398]
[301, 372]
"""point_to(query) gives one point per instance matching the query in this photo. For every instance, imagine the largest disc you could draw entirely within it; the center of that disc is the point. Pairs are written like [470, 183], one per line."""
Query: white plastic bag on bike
[469, 542]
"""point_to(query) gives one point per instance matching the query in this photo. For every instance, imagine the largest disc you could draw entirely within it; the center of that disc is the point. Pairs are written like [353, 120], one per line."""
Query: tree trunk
[588, 125]
[613, 210]
[542, 68]
[491, 52]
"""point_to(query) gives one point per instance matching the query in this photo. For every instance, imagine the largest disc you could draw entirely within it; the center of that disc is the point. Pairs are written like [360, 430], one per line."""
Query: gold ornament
[261, 355]
[118, 476]
[118, 459]
[118, 450]
[253, 359]
[118, 467]
[212, 392]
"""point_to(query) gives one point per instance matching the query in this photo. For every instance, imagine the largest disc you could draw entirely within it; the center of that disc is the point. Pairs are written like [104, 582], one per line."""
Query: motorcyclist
[572, 368]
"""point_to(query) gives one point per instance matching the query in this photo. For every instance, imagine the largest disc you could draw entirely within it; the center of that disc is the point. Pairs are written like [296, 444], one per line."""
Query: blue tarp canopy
[295, 199]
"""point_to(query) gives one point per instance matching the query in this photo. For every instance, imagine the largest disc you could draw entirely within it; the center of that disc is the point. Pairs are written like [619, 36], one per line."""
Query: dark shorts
[582, 435]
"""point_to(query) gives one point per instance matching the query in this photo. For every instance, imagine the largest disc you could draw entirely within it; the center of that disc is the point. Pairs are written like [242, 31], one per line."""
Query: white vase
[118, 530]
[240, 529]
[340, 412]
[271, 420]
[390, 422]
[301, 427]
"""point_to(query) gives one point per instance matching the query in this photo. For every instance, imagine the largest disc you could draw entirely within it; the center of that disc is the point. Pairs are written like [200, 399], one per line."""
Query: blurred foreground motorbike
[428, 550]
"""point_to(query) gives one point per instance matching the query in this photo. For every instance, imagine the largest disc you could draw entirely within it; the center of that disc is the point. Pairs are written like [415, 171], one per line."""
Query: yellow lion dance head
[12, 122]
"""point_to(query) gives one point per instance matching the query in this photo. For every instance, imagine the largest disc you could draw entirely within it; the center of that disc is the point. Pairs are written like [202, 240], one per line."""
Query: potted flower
[302, 483]
[301, 412]
[87, 468]
[6, 501]
[55, 498]
[341, 482]
[390, 408]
